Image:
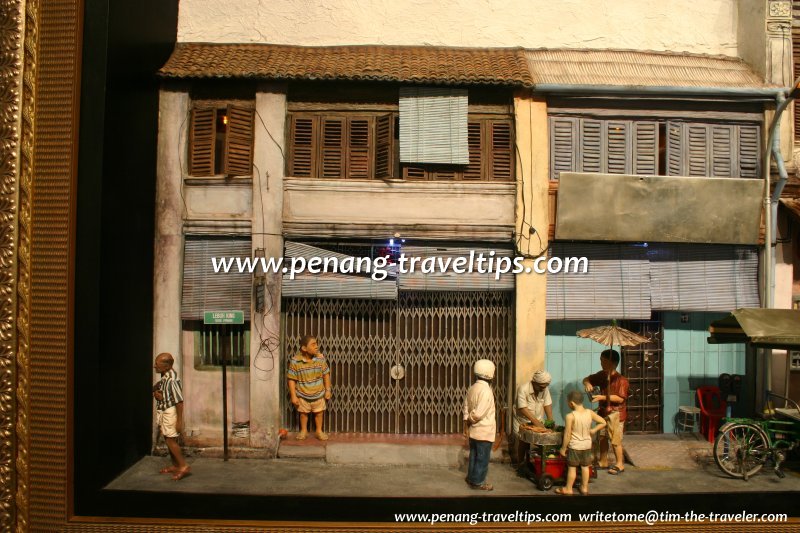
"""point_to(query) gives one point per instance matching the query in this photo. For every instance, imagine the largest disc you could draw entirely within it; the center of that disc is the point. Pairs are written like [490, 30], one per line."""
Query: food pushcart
[544, 465]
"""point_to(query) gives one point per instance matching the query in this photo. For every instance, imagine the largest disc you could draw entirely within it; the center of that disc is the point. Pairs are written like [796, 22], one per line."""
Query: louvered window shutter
[239, 141]
[696, 147]
[359, 141]
[618, 147]
[384, 160]
[502, 150]
[591, 146]
[563, 145]
[333, 147]
[749, 151]
[202, 139]
[303, 144]
[675, 156]
[206, 290]
[474, 171]
[723, 151]
[645, 148]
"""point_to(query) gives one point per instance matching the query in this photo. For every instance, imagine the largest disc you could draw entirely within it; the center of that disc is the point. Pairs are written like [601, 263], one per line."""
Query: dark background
[125, 42]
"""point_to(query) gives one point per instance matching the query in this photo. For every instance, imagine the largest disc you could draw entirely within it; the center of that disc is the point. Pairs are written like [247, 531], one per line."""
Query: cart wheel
[741, 449]
[545, 482]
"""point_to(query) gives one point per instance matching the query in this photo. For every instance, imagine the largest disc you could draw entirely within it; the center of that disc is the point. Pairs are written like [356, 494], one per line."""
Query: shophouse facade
[269, 147]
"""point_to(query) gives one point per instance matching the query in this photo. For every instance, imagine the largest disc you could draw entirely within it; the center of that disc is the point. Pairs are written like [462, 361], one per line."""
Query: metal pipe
[761, 92]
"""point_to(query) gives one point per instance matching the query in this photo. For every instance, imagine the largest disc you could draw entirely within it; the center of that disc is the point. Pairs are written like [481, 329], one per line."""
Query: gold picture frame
[41, 67]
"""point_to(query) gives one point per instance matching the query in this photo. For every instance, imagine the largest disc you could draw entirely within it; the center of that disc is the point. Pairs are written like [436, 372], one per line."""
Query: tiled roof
[451, 66]
[639, 68]
[793, 205]
[410, 64]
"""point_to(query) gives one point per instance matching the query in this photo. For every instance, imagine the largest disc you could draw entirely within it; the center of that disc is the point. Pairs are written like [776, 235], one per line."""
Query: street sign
[223, 317]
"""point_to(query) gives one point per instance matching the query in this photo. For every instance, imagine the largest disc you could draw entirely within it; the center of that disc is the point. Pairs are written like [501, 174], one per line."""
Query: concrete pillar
[173, 125]
[265, 346]
[531, 215]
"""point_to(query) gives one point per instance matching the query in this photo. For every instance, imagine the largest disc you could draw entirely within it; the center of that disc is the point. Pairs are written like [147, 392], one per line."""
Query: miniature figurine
[479, 424]
[577, 443]
[168, 394]
[309, 385]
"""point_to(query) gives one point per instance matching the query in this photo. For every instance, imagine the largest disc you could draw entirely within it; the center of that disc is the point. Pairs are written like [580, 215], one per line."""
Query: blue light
[391, 242]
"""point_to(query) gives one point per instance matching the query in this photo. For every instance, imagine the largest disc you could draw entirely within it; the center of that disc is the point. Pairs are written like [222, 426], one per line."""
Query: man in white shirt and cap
[480, 424]
[533, 407]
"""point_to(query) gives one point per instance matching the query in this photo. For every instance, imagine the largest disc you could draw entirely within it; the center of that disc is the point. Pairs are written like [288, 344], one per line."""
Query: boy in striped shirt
[168, 394]
[309, 385]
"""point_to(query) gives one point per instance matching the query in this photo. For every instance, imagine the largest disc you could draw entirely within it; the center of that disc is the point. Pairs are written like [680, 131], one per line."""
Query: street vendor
[612, 407]
[533, 407]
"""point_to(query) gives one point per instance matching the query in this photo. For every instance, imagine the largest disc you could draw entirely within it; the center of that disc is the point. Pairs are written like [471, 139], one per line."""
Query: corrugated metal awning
[451, 280]
[763, 328]
[334, 284]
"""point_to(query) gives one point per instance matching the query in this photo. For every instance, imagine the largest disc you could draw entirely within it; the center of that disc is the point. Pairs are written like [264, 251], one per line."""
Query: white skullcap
[541, 377]
[484, 369]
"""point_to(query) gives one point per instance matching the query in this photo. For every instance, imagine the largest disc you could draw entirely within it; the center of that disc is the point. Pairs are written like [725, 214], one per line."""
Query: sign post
[224, 317]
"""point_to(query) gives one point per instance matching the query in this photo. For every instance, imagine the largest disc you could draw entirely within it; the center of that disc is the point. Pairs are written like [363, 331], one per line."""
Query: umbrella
[612, 335]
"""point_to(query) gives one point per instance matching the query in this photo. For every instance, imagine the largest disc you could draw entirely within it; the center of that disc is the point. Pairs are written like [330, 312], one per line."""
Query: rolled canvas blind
[206, 290]
[449, 280]
[433, 125]
[617, 284]
[334, 285]
[703, 277]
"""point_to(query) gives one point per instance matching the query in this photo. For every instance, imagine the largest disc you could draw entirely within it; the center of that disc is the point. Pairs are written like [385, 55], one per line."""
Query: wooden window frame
[237, 151]
[568, 137]
[309, 159]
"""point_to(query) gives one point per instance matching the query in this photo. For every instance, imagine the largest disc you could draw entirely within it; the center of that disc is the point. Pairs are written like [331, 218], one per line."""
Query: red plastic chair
[712, 409]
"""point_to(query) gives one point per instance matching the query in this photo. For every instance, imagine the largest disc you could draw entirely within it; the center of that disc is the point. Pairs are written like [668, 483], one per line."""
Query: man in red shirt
[613, 396]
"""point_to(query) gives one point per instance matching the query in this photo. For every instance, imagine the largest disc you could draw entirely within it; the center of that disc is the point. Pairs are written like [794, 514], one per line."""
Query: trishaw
[743, 446]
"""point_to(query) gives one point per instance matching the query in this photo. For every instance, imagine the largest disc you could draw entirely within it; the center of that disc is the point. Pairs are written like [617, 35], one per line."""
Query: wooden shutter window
[359, 140]
[239, 141]
[722, 151]
[384, 160]
[718, 150]
[749, 151]
[303, 139]
[333, 147]
[591, 153]
[617, 143]
[202, 139]
[563, 145]
[502, 151]
[645, 148]
[474, 170]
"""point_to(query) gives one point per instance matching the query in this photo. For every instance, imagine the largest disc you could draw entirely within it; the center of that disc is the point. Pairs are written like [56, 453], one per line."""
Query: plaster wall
[708, 27]
[378, 202]
[202, 392]
[226, 201]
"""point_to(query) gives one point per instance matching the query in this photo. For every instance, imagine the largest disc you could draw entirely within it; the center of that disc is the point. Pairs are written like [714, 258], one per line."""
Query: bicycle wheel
[741, 449]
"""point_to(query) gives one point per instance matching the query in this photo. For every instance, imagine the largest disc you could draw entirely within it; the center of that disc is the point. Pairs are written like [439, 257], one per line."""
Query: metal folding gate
[403, 366]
